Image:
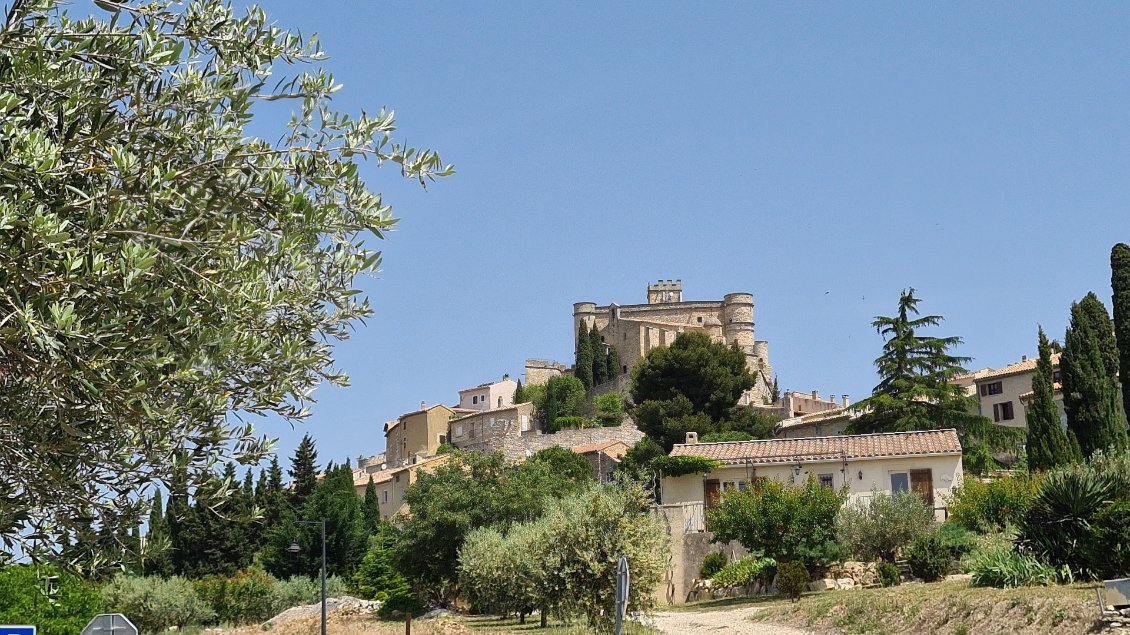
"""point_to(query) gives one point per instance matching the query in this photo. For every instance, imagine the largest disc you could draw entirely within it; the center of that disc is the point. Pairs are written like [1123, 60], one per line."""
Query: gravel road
[728, 621]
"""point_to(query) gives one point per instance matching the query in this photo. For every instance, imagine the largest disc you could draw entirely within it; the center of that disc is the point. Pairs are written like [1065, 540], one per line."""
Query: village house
[925, 462]
[416, 435]
[392, 483]
[488, 396]
[604, 457]
[484, 431]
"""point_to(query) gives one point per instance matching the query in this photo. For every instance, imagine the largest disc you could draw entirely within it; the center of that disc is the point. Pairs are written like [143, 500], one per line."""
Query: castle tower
[665, 291]
[737, 320]
[585, 311]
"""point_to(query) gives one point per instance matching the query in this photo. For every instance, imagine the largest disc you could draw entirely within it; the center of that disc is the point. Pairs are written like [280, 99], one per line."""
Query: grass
[495, 626]
[943, 607]
[455, 625]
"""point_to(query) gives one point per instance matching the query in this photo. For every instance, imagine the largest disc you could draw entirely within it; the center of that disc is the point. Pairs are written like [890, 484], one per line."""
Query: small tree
[372, 507]
[881, 526]
[303, 471]
[1120, 284]
[612, 362]
[520, 393]
[599, 357]
[783, 522]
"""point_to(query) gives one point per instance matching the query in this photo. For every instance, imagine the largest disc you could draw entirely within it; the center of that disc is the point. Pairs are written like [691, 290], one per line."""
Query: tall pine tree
[583, 366]
[599, 363]
[1048, 444]
[1089, 366]
[1120, 284]
[520, 393]
[914, 390]
[303, 472]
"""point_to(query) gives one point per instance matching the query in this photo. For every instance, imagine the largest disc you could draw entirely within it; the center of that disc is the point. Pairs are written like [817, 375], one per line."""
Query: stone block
[822, 585]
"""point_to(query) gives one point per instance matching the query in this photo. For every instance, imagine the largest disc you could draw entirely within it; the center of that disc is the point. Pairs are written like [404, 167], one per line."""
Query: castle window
[700, 320]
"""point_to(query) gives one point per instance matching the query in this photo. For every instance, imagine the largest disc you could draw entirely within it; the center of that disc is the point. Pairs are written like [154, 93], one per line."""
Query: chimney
[423, 405]
[692, 438]
[846, 401]
[815, 395]
[1023, 358]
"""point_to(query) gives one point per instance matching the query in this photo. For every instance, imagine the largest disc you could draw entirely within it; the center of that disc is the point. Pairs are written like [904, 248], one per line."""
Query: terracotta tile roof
[599, 446]
[1024, 366]
[859, 446]
[1056, 388]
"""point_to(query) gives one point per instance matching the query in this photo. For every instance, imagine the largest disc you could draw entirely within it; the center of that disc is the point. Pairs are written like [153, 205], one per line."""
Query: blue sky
[820, 156]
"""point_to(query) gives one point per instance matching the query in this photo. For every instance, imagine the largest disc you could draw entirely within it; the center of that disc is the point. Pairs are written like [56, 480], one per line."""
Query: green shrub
[248, 597]
[957, 540]
[783, 522]
[610, 409]
[879, 527]
[889, 574]
[376, 579]
[728, 435]
[712, 564]
[991, 506]
[65, 612]
[1000, 565]
[680, 465]
[1108, 546]
[929, 558]
[562, 423]
[1058, 525]
[745, 571]
[154, 604]
[792, 579]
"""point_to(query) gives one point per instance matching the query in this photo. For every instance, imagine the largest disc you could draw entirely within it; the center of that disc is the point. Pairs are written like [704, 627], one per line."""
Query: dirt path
[728, 621]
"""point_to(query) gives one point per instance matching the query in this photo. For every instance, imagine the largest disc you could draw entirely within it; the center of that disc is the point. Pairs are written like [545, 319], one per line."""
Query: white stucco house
[926, 462]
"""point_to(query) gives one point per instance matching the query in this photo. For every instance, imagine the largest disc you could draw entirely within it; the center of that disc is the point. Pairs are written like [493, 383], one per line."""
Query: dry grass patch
[944, 607]
[367, 625]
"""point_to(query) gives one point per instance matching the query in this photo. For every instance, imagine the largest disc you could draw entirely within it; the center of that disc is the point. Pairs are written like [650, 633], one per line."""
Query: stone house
[392, 483]
[925, 462]
[416, 435]
[484, 431]
[604, 457]
[489, 396]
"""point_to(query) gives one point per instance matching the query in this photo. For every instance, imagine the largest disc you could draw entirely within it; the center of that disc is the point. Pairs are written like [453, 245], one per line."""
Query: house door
[922, 483]
[710, 490]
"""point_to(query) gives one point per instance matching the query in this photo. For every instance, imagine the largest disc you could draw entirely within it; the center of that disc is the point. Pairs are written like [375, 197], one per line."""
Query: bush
[746, 571]
[991, 506]
[782, 522]
[712, 564]
[1108, 547]
[610, 409]
[69, 608]
[154, 604]
[997, 564]
[562, 423]
[1058, 526]
[792, 579]
[680, 465]
[957, 540]
[929, 558]
[376, 579]
[876, 529]
[889, 574]
[244, 598]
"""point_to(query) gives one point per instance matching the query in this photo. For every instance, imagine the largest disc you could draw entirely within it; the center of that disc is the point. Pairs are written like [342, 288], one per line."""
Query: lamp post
[294, 548]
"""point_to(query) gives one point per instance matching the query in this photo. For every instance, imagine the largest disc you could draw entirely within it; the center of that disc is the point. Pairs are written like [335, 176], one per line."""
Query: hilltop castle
[635, 329]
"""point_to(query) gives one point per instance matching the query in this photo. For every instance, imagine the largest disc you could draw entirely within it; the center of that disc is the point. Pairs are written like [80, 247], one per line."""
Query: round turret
[737, 319]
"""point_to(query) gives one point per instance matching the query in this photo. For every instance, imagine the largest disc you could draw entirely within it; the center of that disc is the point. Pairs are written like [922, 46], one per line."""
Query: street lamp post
[294, 548]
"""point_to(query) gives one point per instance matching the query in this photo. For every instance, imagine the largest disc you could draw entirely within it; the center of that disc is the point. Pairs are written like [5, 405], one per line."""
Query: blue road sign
[17, 630]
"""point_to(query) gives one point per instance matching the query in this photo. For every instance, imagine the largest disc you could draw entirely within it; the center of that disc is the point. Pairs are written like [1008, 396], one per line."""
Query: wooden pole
[408, 624]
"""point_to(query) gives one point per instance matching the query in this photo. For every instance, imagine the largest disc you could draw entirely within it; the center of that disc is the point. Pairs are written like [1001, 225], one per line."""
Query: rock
[434, 613]
[845, 583]
[822, 585]
[959, 576]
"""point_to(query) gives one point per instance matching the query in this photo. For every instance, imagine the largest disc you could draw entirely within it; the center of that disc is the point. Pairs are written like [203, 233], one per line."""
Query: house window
[1057, 376]
[1003, 411]
[441, 438]
[500, 402]
[700, 320]
[525, 423]
[474, 399]
[385, 492]
[994, 388]
[459, 430]
[825, 480]
[900, 482]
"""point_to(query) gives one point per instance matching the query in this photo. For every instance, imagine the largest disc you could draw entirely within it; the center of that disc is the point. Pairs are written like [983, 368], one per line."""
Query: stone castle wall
[519, 447]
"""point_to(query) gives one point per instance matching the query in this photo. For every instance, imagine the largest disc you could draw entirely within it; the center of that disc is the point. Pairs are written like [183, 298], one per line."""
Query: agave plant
[1058, 525]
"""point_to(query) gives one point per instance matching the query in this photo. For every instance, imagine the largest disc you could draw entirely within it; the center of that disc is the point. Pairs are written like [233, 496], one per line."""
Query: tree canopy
[914, 390]
[165, 272]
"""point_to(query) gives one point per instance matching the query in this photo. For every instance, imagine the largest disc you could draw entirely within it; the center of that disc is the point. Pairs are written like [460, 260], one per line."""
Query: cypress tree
[520, 393]
[156, 559]
[1048, 445]
[372, 507]
[304, 472]
[612, 363]
[583, 365]
[1120, 284]
[599, 363]
[1088, 366]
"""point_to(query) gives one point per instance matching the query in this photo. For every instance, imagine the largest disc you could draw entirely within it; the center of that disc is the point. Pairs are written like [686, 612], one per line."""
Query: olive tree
[163, 272]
